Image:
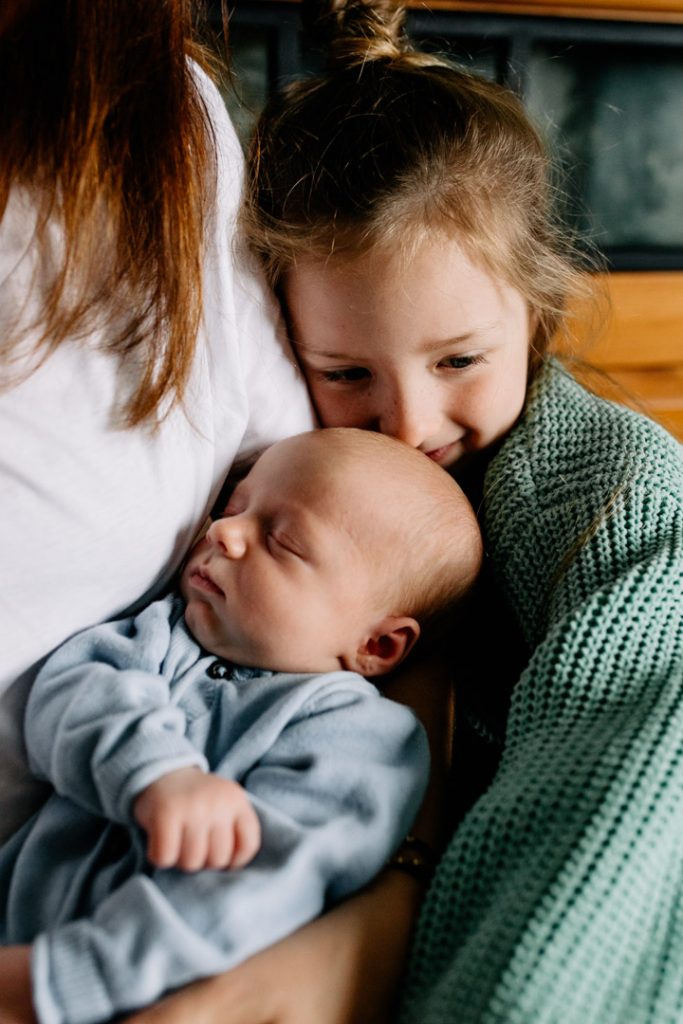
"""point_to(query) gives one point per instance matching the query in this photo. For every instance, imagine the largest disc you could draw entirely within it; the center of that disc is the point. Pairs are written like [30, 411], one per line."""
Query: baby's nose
[230, 536]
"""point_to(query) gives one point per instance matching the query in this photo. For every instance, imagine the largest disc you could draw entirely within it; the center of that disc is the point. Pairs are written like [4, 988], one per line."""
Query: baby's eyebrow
[238, 491]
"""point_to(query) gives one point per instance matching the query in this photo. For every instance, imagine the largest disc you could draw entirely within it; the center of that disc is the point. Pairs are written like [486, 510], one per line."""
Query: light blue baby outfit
[335, 772]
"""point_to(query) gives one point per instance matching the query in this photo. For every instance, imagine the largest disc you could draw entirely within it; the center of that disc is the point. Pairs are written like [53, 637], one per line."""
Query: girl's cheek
[334, 410]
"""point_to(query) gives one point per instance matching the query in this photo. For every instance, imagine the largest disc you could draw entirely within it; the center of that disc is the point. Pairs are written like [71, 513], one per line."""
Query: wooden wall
[636, 344]
[625, 10]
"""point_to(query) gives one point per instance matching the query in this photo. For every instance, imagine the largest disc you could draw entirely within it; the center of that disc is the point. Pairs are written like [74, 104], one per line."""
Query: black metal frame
[514, 35]
[282, 21]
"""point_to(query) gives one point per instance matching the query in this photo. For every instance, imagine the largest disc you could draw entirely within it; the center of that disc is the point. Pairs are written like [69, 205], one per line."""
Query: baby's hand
[196, 821]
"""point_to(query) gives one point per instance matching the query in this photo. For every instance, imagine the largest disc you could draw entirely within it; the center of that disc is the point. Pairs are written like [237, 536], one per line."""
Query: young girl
[402, 210]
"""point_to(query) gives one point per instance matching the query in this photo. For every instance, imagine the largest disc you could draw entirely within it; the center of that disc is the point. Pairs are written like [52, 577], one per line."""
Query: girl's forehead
[440, 269]
[444, 301]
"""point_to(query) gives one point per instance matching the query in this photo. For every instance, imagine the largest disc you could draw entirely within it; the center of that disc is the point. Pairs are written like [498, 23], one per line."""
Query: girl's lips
[201, 579]
[444, 454]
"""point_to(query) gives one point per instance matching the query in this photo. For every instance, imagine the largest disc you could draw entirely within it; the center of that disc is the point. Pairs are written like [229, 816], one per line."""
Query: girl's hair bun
[355, 31]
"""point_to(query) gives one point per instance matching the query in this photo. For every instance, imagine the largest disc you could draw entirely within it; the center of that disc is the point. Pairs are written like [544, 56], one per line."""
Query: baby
[231, 727]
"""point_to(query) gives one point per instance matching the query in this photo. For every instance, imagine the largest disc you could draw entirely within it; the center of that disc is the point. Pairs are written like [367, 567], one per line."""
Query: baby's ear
[386, 646]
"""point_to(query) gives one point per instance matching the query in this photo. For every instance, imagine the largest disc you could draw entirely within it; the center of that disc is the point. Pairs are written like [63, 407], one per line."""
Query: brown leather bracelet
[416, 858]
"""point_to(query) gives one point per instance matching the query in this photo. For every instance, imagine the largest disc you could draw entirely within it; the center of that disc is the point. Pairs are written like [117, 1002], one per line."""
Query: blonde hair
[113, 141]
[389, 146]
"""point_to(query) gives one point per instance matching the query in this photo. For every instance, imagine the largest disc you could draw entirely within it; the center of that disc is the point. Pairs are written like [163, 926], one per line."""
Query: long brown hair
[389, 145]
[102, 123]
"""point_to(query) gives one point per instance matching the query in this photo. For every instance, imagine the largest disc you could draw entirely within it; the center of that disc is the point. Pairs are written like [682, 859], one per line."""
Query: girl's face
[434, 353]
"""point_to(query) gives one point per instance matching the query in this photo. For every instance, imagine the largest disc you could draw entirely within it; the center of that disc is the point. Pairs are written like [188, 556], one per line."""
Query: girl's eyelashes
[461, 362]
[360, 374]
[344, 375]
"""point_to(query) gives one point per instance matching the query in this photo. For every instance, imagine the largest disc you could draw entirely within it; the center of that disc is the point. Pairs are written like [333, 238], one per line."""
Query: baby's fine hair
[427, 525]
[391, 146]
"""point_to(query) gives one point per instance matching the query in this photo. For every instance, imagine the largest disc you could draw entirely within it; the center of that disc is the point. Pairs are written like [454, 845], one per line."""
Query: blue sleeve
[100, 723]
[335, 793]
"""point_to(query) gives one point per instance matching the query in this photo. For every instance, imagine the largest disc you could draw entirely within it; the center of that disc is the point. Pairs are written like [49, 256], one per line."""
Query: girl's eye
[461, 362]
[345, 375]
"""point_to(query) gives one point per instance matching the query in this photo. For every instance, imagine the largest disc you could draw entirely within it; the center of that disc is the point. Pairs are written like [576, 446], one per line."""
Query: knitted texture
[560, 897]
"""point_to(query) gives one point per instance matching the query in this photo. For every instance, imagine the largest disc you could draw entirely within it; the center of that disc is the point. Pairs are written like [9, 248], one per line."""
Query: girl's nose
[411, 415]
[230, 535]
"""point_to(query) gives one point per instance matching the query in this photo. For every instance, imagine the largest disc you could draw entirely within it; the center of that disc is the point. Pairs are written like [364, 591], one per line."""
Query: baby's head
[335, 551]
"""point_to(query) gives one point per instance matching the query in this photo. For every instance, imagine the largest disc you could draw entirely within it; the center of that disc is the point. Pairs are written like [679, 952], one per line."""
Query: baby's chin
[191, 622]
[199, 621]
[196, 616]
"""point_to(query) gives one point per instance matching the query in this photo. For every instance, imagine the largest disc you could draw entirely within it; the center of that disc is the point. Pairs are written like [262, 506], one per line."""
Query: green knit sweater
[560, 897]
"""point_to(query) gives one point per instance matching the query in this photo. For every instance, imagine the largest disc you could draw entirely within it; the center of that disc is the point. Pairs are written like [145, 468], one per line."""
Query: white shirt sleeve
[277, 402]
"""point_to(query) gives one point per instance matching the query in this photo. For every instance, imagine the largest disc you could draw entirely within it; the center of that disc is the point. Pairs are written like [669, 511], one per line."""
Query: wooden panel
[624, 10]
[645, 327]
[641, 10]
[658, 394]
[638, 356]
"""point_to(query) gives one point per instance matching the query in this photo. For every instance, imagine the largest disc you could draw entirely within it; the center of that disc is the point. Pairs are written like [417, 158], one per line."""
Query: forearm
[100, 735]
[427, 687]
[16, 1006]
[89, 700]
[343, 968]
[367, 938]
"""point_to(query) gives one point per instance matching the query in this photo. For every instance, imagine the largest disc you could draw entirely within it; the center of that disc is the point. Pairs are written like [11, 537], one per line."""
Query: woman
[141, 353]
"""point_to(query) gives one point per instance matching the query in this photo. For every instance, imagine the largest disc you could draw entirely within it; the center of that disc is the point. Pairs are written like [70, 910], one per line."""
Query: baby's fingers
[194, 849]
[247, 836]
[221, 845]
[163, 843]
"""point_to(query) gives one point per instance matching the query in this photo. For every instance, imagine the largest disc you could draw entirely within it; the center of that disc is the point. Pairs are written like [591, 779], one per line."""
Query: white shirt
[94, 519]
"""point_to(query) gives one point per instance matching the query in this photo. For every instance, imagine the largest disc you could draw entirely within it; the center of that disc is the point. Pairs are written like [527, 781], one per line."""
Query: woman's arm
[345, 967]
[15, 986]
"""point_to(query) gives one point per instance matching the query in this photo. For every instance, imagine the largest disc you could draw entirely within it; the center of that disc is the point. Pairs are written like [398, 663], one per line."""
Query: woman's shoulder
[229, 156]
